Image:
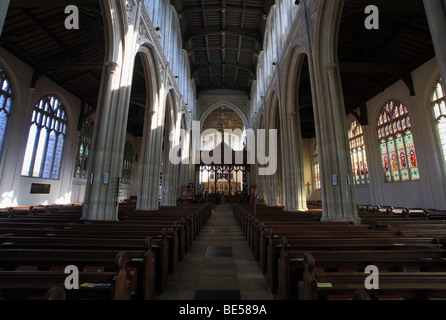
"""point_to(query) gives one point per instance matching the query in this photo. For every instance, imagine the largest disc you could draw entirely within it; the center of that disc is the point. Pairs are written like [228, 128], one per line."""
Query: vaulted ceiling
[223, 39]
[35, 33]
[372, 60]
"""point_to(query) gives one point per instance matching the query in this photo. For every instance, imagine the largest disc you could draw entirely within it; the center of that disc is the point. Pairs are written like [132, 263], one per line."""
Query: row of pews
[129, 259]
[307, 259]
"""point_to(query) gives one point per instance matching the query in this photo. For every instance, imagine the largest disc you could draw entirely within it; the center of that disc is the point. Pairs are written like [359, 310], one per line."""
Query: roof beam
[240, 88]
[414, 6]
[219, 48]
[50, 3]
[197, 32]
[217, 8]
[362, 67]
[223, 41]
[77, 66]
[248, 68]
[240, 39]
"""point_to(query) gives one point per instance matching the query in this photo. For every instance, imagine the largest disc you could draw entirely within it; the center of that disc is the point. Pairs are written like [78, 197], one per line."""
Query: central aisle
[219, 265]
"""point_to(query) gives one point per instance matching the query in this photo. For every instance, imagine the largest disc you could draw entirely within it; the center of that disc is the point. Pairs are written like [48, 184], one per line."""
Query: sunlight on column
[8, 200]
[65, 199]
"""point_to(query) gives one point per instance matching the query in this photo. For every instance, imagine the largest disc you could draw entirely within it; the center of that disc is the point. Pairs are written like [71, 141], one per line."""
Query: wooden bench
[171, 232]
[167, 232]
[335, 232]
[160, 248]
[431, 214]
[346, 285]
[291, 265]
[281, 264]
[20, 285]
[140, 265]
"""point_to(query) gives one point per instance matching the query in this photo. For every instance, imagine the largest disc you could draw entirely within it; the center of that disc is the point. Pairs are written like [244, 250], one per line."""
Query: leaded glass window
[439, 107]
[397, 147]
[46, 139]
[6, 99]
[128, 163]
[83, 149]
[316, 169]
[358, 154]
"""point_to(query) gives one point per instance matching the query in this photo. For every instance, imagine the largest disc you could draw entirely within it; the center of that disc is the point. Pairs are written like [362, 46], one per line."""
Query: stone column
[4, 5]
[436, 16]
[105, 165]
[338, 192]
[145, 191]
[170, 170]
[296, 196]
[153, 149]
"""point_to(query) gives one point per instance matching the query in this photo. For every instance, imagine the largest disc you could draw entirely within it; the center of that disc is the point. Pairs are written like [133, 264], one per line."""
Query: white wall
[15, 189]
[429, 192]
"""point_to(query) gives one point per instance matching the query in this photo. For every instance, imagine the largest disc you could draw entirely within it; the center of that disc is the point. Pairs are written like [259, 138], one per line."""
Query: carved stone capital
[331, 68]
[112, 67]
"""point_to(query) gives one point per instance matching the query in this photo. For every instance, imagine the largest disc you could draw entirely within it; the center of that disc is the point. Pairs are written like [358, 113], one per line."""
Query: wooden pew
[166, 231]
[334, 232]
[291, 263]
[392, 285]
[431, 214]
[140, 265]
[36, 228]
[19, 285]
[282, 261]
[161, 249]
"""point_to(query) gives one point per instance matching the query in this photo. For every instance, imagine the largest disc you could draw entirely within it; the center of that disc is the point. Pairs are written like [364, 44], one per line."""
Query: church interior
[136, 135]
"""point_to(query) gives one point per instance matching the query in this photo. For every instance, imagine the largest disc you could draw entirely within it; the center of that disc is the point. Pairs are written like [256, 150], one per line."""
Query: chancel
[223, 150]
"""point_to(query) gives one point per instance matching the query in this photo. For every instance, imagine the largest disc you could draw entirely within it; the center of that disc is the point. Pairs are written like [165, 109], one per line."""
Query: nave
[219, 266]
[226, 252]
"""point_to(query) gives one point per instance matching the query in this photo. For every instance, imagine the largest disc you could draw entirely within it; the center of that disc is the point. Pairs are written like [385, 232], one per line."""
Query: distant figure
[217, 198]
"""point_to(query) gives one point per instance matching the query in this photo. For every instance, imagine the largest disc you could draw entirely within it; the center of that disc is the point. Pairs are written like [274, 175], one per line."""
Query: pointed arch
[228, 104]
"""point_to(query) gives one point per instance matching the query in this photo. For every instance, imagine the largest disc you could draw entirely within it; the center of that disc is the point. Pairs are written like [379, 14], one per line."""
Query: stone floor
[219, 265]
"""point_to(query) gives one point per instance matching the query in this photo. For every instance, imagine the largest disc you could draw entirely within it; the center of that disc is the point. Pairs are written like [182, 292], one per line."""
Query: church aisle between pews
[219, 266]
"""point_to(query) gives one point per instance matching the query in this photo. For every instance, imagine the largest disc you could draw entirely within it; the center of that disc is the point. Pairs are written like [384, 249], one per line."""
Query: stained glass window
[83, 149]
[46, 139]
[128, 163]
[397, 148]
[316, 169]
[439, 108]
[357, 150]
[6, 98]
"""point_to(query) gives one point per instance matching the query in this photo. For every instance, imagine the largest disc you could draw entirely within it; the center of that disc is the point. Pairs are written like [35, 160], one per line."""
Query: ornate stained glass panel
[358, 153]
[397, 148]
[316, 169]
